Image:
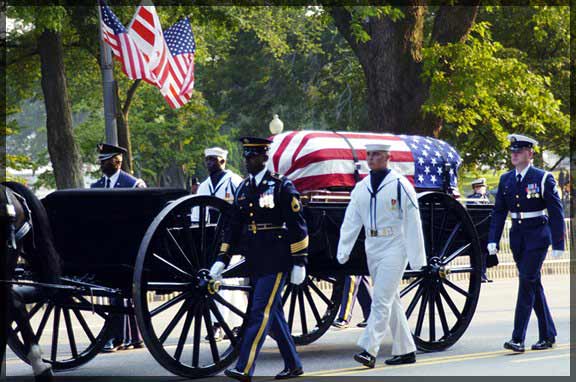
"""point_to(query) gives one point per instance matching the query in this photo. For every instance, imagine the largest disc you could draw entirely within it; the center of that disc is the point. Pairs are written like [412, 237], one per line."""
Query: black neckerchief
[376, 178]
[215, 178]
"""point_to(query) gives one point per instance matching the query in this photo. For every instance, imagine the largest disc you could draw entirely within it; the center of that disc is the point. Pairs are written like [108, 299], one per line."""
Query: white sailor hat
[216, 152]
[478, 182]
[371, 147]
[519, 142]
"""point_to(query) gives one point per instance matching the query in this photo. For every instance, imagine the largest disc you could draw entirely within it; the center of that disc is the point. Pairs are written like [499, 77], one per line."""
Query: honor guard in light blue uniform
[270, 229]
[125, 333]
[530, 195]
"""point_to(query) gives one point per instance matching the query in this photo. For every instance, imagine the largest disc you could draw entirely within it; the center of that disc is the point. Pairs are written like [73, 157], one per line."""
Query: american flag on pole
[316, 160]
[134, 62]
[171, 53]
[163, 59]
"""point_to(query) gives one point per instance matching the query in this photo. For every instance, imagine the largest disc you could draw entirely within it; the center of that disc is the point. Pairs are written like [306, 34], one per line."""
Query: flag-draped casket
[317, 160]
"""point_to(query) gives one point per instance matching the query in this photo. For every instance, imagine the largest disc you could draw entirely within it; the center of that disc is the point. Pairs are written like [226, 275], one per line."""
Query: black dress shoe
[543, 345]
[112, 346]
[45, 376]
[237, 375]
[362, 324]
[365, 359]
[289, 373]
[516, 346]
[402, 359]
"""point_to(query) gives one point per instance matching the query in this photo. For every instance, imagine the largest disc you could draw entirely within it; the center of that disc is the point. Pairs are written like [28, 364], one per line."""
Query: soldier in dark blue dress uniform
[270, 228]
[528, 193]
[125, 333]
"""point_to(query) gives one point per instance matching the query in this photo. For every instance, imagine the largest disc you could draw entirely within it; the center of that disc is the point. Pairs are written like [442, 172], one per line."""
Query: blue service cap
[107, 151]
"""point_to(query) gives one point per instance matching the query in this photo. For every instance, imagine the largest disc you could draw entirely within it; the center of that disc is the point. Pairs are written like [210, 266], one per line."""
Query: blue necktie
[107, 182]
[518, 178]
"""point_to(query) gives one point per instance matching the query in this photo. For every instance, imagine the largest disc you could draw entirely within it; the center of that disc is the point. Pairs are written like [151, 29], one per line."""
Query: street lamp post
[276, 125]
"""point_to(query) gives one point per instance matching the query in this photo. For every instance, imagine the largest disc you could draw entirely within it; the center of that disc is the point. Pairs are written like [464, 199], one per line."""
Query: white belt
[386, 231]
[527, 215]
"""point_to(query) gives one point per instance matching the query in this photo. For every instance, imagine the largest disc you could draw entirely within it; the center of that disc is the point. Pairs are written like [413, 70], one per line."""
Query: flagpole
[108, 87]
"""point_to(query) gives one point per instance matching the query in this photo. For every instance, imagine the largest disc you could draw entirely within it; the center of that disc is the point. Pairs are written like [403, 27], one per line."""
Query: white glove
[217, 269]
[557, 252]
[343, 258]
[492, 250]
[298, 274]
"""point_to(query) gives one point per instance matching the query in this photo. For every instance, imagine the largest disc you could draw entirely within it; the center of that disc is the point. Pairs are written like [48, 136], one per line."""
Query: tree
[64, 154]
[388, 42]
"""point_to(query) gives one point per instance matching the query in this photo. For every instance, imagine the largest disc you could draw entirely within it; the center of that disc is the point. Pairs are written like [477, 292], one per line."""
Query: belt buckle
[373, 233]
[252, 227]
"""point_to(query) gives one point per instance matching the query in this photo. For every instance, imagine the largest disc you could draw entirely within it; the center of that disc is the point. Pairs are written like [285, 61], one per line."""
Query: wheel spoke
[167, 286]
[217, 236]
[55, 334]
[431, 315]
[172, 265]
[303, 323]
[421, 314]
[244, 288]
[202, 224]
[43, 322]
[449, 301]
[315, 312]
[456, 253]
[431, 227]
[184, 333]
[414, 301]
[170, 303]
[293, 296]
[84, 325]
[456, 287]
[197, 335]
[172, 324]
[214, 309]
[210, 330]
[35, 310]
[450, 239]
[229, 305]
[410, 286]
[462, 270]
[97, 311]
[192, 245]
[442, 315]
[180, 250]
[322, 296]
[71, 338]
[286, 294]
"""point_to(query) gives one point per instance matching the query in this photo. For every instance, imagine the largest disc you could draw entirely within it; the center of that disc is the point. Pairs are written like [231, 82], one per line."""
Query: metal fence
[552, 265]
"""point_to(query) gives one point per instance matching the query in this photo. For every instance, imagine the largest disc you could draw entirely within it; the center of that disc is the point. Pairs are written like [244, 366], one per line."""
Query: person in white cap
[531, 197]
[386, 205]
[479, 196]
[222, 184]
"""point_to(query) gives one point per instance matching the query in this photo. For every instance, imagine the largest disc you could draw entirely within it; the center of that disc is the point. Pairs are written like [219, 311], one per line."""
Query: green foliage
[483, 94]
[360, 14]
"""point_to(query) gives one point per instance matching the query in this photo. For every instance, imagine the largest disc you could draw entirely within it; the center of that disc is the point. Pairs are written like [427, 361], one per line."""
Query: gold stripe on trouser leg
[350, 294]
[263, 325]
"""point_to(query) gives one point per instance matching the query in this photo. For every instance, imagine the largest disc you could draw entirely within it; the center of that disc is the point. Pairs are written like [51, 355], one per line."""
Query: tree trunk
[173, 176]
[122, 125]
[391, 61]
[63, 150]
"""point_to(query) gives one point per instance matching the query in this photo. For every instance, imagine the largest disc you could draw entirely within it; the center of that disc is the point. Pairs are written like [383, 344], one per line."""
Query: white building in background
[29, 177]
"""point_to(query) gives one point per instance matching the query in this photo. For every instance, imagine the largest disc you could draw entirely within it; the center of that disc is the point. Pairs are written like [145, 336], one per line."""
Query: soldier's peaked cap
[478, 182]
[255, 146]
[519, 142]
[107, 151]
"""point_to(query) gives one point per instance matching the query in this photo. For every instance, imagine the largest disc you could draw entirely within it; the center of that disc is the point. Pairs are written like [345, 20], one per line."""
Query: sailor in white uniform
[222, 184]
[386, 205]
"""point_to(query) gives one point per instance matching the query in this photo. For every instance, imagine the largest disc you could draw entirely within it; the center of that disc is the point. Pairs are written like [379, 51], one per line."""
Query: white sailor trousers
[386, 310]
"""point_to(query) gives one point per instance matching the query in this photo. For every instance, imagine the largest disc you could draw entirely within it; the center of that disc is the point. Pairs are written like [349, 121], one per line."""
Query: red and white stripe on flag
[316, 160]
[134, 62]
[172, 72]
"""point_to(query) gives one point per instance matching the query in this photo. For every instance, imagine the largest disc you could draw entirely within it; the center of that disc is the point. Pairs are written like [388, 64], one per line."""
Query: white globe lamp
[276, 125]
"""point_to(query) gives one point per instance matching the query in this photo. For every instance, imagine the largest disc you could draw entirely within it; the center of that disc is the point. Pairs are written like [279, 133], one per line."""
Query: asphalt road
[478, 353]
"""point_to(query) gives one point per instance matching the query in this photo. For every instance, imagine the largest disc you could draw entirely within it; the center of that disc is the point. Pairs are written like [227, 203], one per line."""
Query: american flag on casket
[317, 160]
